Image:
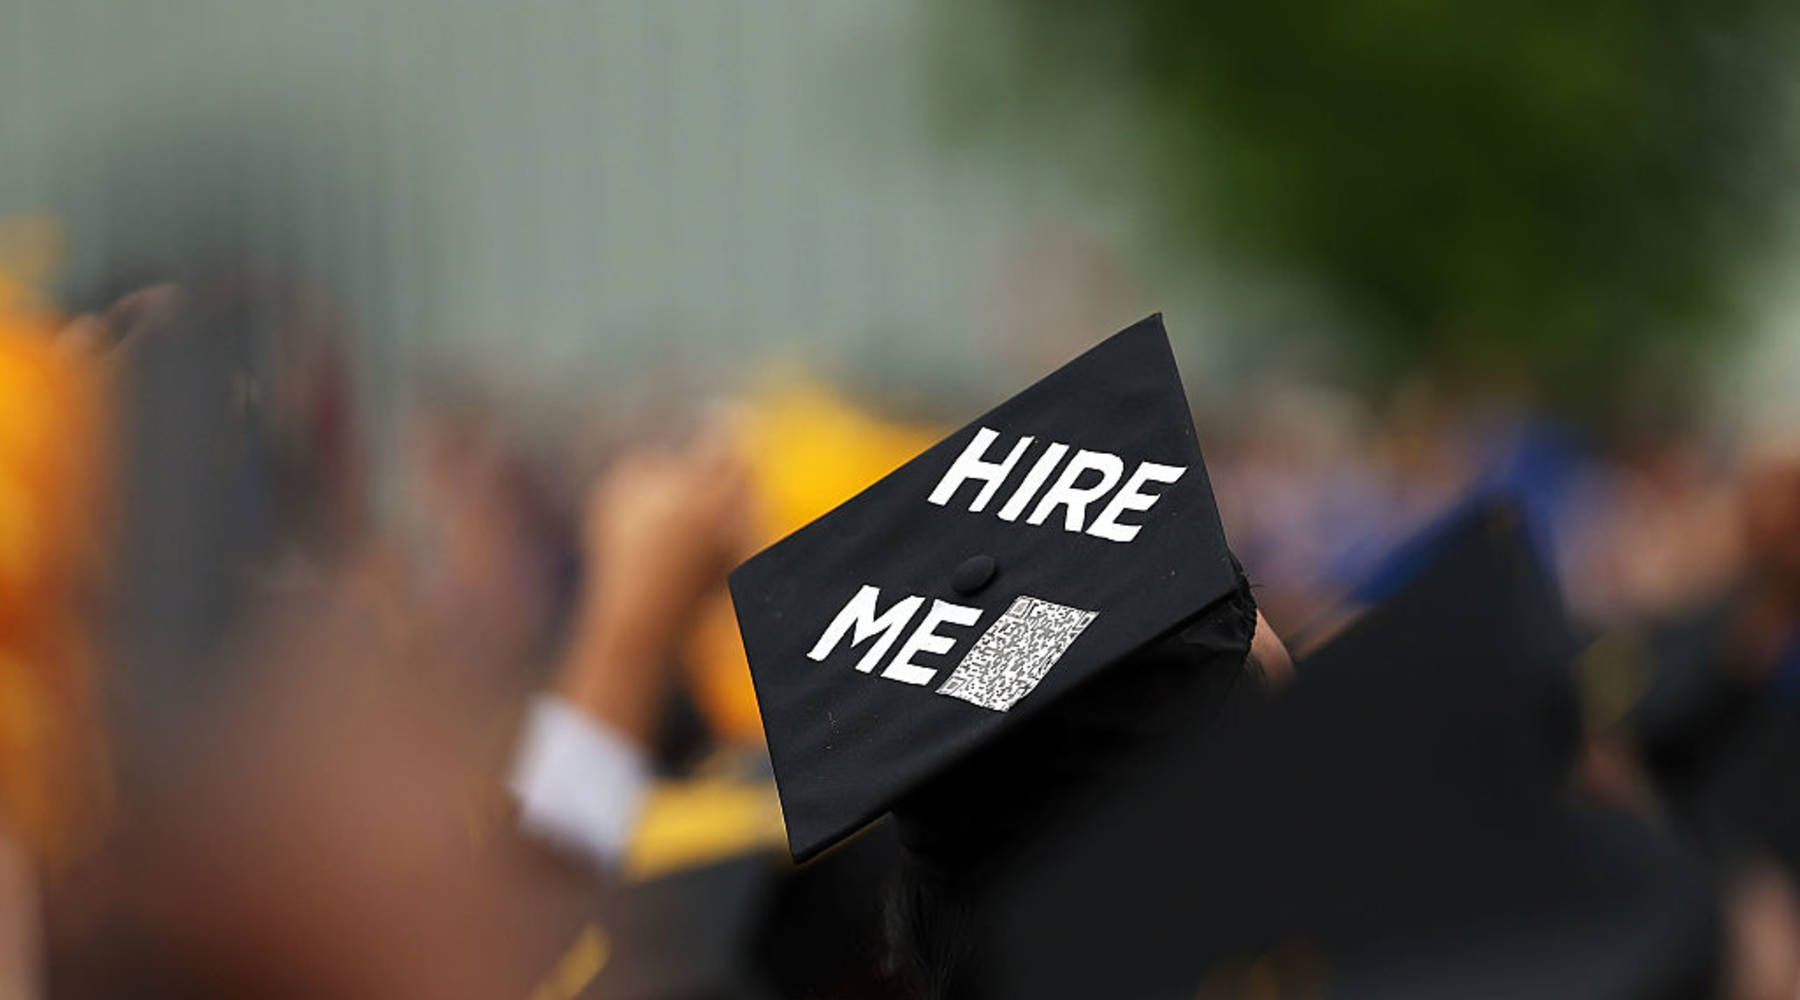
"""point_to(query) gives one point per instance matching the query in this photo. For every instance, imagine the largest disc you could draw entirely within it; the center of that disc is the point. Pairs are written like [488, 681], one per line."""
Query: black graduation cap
[904, 633]
[1390, 826]
[1480, 596]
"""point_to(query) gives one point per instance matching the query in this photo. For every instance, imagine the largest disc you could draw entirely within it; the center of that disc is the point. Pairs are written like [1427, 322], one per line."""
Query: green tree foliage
[1561, 186]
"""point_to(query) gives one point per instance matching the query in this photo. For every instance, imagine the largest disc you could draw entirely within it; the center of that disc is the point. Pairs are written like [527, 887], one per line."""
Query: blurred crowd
[257, 729]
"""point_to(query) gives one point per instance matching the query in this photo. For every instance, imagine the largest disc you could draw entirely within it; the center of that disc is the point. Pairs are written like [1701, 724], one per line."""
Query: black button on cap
[975, 573]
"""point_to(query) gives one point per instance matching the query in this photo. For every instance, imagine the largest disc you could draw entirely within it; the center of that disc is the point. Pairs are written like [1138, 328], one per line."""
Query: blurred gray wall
[560, 191]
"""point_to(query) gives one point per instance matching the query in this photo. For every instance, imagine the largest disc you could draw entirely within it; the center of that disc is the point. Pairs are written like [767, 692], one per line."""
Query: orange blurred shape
[53, 466]
[808, 450]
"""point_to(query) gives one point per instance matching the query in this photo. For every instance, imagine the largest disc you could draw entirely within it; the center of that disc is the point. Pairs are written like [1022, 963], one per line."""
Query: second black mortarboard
[1394, 825]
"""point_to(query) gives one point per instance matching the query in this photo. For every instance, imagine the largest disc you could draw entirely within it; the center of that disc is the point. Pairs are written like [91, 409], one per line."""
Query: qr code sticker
[1015, 653]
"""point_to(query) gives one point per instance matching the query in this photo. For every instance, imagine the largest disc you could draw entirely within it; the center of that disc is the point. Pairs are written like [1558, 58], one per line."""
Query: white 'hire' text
[1083, 481]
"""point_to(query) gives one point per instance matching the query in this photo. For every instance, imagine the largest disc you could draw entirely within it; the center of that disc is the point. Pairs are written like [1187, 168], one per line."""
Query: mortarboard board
[906, 632]
[1390, 826]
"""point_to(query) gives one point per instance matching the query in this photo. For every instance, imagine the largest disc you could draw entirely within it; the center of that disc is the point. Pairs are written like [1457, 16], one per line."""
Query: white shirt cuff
[580, 785]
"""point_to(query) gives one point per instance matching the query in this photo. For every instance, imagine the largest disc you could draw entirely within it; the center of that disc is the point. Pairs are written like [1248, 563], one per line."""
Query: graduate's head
[1012, 574]
[1001, 626]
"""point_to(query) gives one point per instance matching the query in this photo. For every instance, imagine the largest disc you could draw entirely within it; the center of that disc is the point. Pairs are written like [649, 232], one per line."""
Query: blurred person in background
[310, 680]
[659, 533]
[488, 549]
[54, 478]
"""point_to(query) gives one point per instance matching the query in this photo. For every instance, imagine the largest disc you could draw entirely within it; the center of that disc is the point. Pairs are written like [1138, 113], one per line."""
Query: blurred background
[1372, 224]
[372, 295]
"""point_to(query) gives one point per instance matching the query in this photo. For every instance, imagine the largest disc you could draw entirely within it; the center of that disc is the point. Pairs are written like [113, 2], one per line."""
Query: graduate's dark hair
[931, 934]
